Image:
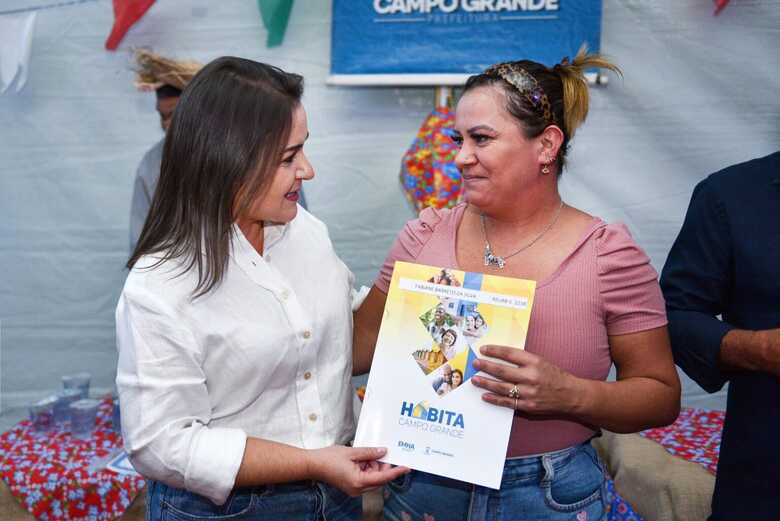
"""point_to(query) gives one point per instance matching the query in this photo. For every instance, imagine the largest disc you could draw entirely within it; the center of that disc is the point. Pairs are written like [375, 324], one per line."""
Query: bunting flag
[16, 33]
[275, 14]
[126, 13]
[720, 5]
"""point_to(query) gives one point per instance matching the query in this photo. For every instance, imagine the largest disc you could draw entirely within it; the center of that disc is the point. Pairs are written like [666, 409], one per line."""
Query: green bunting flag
[275, 15]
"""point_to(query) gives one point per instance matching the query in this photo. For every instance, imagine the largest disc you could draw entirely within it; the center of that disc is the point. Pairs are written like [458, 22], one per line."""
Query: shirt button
[285, 294]
[267, 258]
[306, 375]
[307, 334]
[313, 417]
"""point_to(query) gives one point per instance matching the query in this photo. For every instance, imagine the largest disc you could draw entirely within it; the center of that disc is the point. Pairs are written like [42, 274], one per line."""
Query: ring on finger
[514, 392]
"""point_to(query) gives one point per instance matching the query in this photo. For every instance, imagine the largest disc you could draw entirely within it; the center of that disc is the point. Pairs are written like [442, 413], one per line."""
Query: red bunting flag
[720, 5]
[126, 13]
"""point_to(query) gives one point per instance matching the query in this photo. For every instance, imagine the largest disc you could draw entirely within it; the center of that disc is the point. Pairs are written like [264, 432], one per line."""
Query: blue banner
[422, 37]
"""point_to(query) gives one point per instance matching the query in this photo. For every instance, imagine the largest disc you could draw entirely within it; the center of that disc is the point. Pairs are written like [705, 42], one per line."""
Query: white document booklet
[419, 402]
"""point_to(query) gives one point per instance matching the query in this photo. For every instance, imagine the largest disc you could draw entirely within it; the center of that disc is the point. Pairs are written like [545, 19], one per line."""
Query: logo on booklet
[406, 446]
[424, 411]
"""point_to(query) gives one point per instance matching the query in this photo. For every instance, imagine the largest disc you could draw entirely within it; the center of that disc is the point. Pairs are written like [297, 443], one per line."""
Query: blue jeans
[566, 484]
[299, 501]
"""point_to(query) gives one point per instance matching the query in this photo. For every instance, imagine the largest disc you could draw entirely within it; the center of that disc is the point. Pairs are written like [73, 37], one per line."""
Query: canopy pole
[443, 96]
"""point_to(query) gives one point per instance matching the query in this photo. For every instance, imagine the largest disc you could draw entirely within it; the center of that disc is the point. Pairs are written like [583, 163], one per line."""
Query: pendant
[493, 260]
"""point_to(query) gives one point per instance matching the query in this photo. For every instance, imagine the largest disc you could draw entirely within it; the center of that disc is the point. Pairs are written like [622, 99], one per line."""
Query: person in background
[148, 171]
[726, 263]
[166, 78]
[597, 302]
[235, 353]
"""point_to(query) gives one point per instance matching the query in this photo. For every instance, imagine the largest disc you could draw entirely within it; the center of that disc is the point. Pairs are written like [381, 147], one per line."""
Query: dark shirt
[726, 261]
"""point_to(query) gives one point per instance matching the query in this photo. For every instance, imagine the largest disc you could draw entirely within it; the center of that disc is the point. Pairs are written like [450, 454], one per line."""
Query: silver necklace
[491, 259]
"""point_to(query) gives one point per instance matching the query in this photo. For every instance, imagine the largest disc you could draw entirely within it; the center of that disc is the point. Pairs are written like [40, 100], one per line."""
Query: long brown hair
[565, 86]
[221, 151]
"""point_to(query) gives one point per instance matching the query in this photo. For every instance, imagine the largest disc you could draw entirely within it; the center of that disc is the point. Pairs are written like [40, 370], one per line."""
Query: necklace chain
[491, 259]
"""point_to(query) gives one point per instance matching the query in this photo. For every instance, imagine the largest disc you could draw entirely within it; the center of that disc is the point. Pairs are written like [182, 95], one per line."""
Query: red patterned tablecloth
[695, 436]
[58, 477]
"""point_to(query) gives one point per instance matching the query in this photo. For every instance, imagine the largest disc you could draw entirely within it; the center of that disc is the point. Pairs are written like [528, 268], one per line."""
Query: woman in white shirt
[234, 325]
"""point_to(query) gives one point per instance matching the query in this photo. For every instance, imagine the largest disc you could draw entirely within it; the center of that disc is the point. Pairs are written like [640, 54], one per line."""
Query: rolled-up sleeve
[695, 283]
[165, 402]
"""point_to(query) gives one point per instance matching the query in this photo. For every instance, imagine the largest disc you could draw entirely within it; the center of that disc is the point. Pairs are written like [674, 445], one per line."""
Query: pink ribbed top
[605, 286]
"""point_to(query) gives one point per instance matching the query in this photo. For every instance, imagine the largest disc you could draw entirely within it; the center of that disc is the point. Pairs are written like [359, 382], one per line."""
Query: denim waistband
[554, 455]
[541, 464]
[260, 490]
[281, 488]
[534, 468]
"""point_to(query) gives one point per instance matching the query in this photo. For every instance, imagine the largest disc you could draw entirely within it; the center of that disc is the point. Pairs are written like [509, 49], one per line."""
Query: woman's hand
[352, 470]
[646, 393]
[543, 389]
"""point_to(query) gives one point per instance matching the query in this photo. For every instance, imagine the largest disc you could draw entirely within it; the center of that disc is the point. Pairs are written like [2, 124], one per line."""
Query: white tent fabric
[700, 93]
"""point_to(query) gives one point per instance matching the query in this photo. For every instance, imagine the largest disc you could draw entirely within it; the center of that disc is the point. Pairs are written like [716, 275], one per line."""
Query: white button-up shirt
[267, 353]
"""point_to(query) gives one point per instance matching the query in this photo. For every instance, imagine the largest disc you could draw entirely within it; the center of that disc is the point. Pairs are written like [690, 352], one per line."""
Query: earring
[546, 167]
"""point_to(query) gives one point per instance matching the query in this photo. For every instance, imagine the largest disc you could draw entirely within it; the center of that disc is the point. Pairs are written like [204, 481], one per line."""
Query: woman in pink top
[597, 303]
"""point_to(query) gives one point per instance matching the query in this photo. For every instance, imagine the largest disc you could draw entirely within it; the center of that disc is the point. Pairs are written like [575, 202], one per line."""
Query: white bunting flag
[16, 33]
